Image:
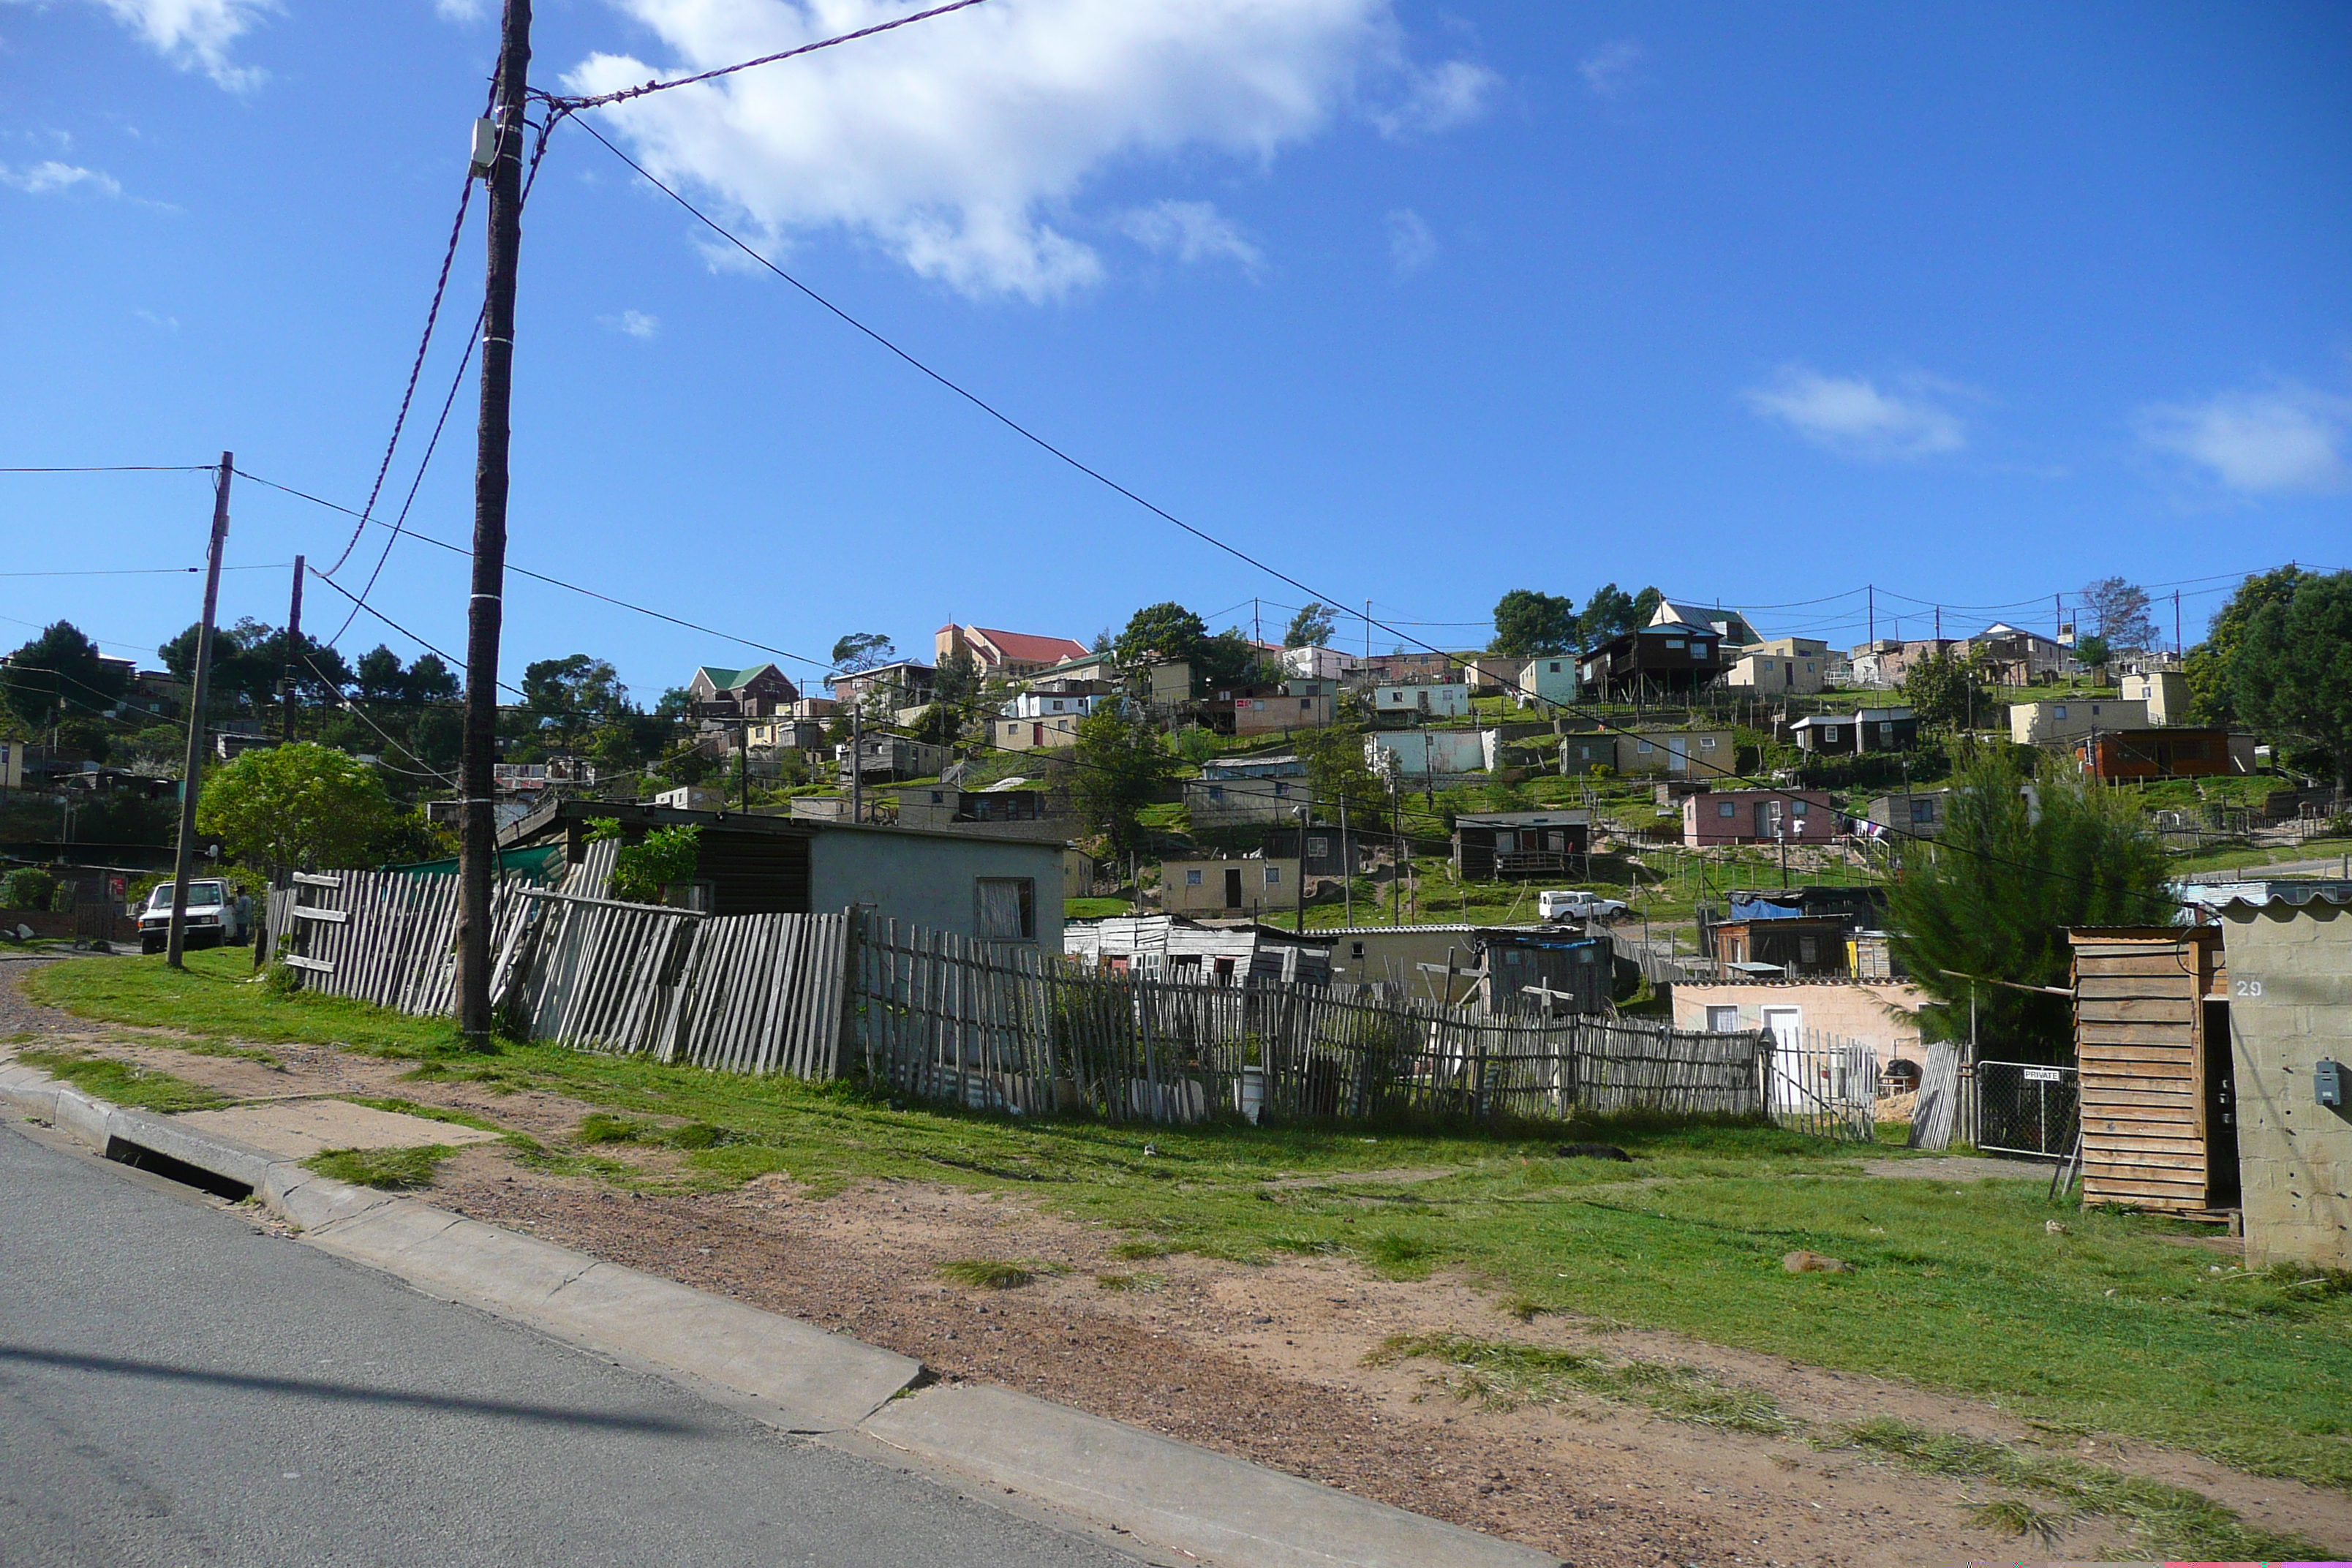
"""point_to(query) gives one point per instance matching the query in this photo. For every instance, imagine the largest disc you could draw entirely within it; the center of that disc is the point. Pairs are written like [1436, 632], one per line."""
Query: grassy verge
[2170, 1519]
[2111, 1325]
[141, 1089]
[215, 997]
[394, 1170]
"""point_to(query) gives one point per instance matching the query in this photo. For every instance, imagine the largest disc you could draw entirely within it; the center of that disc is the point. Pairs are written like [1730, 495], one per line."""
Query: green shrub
[27, 888]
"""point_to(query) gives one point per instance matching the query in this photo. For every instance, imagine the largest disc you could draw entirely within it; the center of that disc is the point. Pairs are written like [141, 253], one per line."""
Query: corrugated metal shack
[2152, 1042]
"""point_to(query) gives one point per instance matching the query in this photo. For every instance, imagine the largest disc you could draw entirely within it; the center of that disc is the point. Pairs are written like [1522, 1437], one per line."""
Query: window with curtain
[1005, 908]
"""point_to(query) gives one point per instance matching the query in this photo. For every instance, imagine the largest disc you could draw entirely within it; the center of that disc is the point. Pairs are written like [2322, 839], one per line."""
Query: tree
[299, 807]
[2207, 666]
[1163, 631]
[1645, 605]
[2290, 676]
[1529, 625]
[1311, 628]
[643, 871]
[565, 699]
[2118, 612]
[1943, 688]
[1116, 768]
[2009, 873]
[2092, 650]
[58, 674]
[1608, 613]
[1336, 771]
[862, 651]
[1228, 658]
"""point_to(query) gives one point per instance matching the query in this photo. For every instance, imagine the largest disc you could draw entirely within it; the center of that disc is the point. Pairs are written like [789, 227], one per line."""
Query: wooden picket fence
[741, 994]
[941, 1017]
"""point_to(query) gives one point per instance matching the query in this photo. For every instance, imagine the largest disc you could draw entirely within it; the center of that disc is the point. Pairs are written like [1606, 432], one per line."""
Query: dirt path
[1269, 1361]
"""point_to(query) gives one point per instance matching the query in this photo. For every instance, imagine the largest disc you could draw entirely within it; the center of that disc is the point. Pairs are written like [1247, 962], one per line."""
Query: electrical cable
[121, 469]
[1597, 720]
[627, 93]
[448, 659]
[416, 366]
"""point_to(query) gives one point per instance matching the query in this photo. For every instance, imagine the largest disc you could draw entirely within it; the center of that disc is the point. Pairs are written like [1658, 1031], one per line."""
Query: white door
[1790, 1090]
[1677, 755]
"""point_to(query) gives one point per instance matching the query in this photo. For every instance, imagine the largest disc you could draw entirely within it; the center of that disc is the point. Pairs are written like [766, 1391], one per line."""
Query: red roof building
[1007, 653]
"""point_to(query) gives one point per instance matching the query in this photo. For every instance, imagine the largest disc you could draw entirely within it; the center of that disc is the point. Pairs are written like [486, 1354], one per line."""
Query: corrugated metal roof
[2335, 893]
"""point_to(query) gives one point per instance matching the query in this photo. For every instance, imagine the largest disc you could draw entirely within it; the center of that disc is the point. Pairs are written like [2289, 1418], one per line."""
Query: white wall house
[1047, 704]
[1431, 754]
[1448, 702]
[1550, 678]
[1318, 663]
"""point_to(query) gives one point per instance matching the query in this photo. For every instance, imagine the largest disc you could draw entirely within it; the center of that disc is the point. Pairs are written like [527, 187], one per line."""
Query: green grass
[1504, 1376]
[1958, 1289]
[1094, 909]
[2170, 1519]
[393, 1170]
[985, 1274]
[217, 997]
[429, 1112]
[2250, 857]
[121, 1083]
[1501, 1375]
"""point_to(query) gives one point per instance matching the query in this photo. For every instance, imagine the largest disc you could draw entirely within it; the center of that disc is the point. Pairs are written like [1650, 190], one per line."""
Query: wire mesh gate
[2027, 1108]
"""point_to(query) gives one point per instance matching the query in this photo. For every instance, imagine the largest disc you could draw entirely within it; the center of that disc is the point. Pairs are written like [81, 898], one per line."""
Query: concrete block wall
[2290, 974]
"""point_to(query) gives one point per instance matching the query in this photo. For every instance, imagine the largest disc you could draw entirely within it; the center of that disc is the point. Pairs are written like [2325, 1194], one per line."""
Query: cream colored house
[2050, 723]
[1784, 666]
[1247, 886]
[2166, 692]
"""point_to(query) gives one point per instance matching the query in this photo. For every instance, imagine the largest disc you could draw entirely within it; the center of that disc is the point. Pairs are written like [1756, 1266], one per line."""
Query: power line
[121, 469]
[416, 366]
[146, 570]
[1598, 721]
[445, 658]
[571, 104]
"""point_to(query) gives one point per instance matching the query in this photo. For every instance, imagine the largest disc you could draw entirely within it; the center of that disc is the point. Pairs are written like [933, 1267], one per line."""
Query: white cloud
[50, 176]
[2284, 438]
[160, 323]
[1193, 232]
[1611, 70]
[461, 10]
[1851, 416]
[195, 35]
[1452, 95]
[1411, 247]
[634, 323]
[962, 146]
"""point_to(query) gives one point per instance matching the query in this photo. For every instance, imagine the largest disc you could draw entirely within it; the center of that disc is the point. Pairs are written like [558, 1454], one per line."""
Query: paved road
[176, 1389]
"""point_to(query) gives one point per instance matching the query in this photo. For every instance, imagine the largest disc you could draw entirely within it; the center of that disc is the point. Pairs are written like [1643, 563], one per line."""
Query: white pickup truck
[215, 916]
[1572, 906]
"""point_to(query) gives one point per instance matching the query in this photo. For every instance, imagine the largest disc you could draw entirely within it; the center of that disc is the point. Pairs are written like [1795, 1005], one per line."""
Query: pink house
[1759, 817]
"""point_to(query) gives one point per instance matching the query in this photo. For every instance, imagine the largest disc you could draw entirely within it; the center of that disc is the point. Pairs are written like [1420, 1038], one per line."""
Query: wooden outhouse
[2152, 1046]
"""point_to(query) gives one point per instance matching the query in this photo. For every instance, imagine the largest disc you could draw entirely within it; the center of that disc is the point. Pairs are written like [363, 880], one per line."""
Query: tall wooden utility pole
[478, 850]
[293, 644]
[200, 690]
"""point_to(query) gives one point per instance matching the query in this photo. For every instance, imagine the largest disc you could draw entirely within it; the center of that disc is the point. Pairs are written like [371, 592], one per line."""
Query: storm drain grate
[155, 1163]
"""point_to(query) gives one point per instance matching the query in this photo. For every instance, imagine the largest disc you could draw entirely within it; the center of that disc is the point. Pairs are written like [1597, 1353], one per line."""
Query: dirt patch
[1270, 1362]
[1956, 1168]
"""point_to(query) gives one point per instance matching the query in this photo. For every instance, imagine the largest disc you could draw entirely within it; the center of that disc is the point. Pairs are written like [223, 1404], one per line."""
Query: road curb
[1156, 1490]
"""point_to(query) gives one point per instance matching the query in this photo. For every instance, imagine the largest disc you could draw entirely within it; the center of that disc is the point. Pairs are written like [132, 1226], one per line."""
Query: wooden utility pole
[1346, 862]
[1303, 813]
[477, 849]
[857, 759]
[293, 644]
[200, 690]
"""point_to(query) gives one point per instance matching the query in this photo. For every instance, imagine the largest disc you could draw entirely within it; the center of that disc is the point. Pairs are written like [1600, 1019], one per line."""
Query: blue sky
[1419, 304]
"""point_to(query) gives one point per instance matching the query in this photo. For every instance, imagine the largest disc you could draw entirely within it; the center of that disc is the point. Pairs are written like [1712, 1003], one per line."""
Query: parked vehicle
[215, 915]
[1565, 905]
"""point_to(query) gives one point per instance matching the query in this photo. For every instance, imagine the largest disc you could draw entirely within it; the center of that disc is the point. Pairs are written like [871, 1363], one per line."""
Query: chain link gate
[2027, 1108]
